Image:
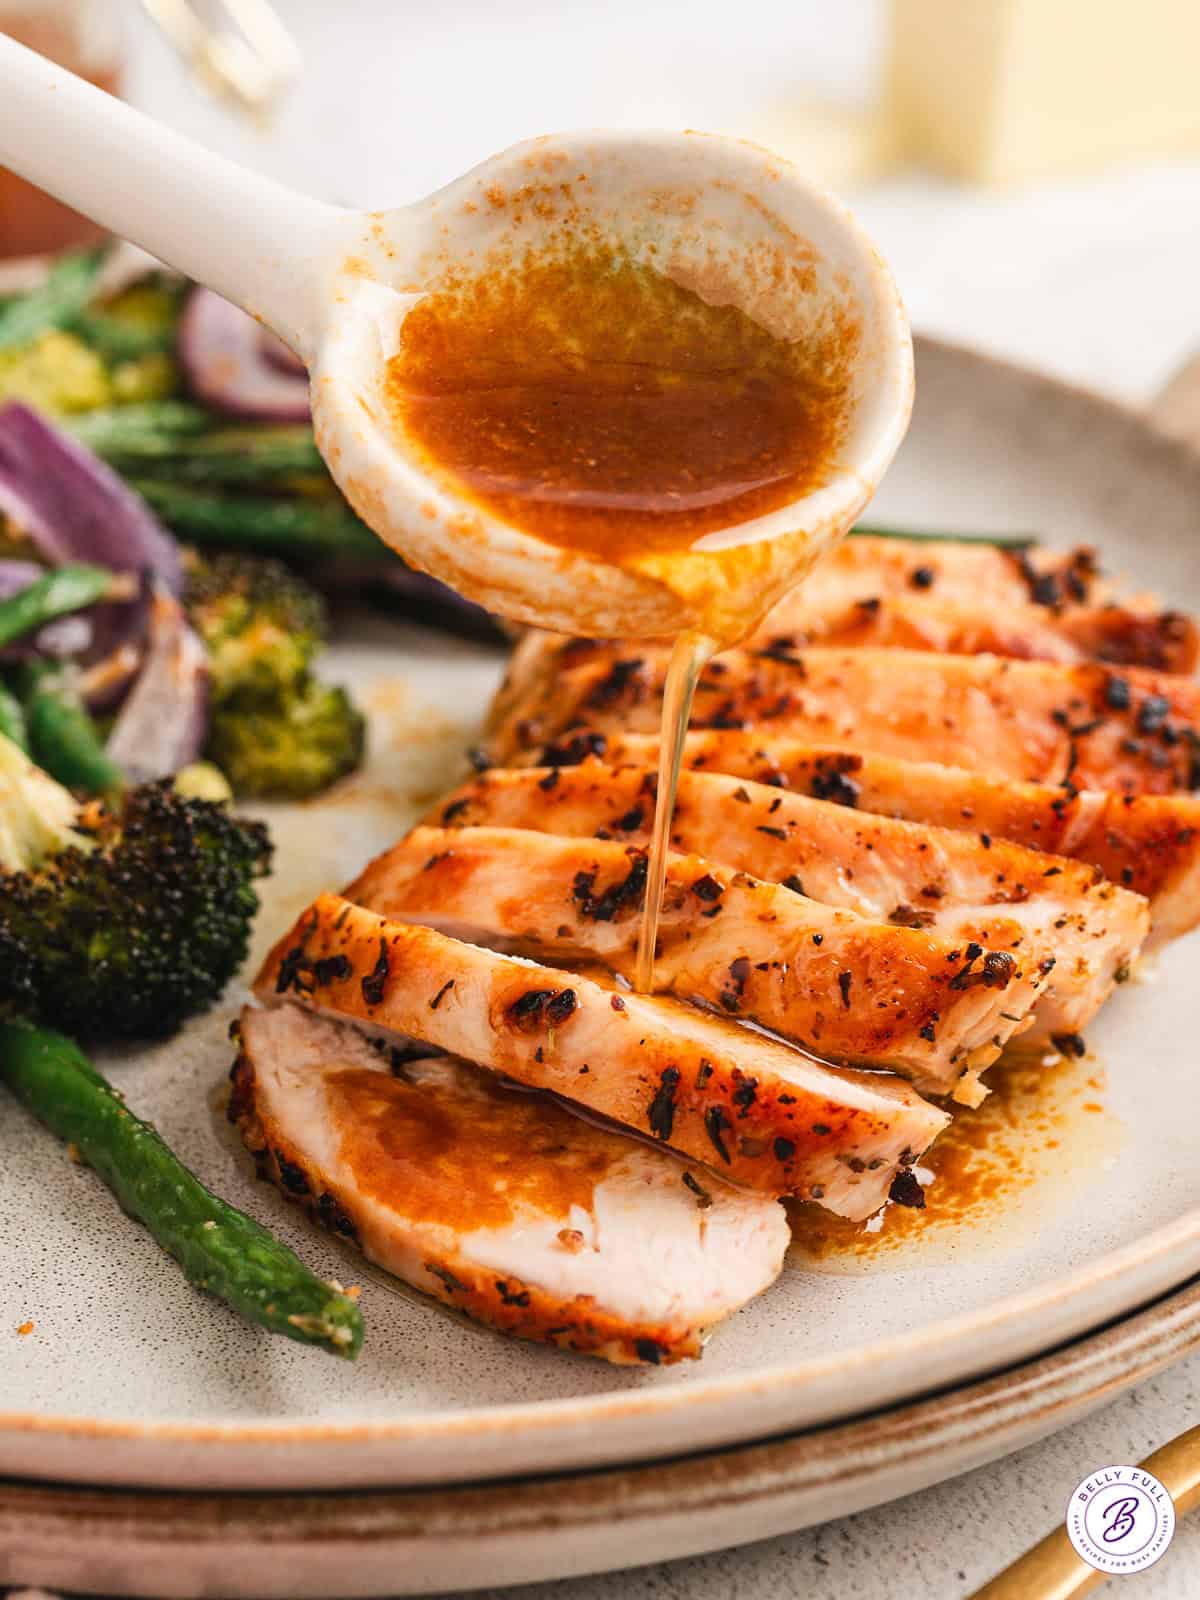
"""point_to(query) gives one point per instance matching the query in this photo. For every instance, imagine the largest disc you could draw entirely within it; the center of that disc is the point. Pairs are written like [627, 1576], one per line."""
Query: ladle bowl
[722, 218]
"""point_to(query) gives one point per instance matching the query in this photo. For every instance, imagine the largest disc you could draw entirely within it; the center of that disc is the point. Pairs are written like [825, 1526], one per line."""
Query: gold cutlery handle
[1052, 1570]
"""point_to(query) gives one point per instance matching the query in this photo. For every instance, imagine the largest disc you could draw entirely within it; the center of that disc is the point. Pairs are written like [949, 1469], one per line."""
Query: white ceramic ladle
[724, 217]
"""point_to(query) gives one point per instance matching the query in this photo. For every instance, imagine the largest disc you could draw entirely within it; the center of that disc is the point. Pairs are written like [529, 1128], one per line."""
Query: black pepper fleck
[661, 1116]
[906, 1190]
[716, 1125]
[373, 981]
[441, 994]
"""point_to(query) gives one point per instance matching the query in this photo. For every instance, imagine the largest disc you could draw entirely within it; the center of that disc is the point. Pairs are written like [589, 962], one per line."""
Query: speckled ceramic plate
[474, 1536]
[129, 1377]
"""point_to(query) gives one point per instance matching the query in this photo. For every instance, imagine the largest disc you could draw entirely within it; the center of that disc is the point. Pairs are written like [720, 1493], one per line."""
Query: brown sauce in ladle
[601, 407]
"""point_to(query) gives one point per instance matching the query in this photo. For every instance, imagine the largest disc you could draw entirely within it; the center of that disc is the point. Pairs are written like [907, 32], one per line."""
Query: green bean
[116, 340]
[67, 289]
[63, 737]
[1000, 541]
[55, 594]
[12, 719]
[293, 527]
[146, 425]
[177, 440]
[246, 458]
[219, 1248]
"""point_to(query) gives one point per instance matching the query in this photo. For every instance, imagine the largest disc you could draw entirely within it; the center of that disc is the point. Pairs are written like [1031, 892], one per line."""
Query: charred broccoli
[276, 731]
[290, 748]
[119, 922]
[263, 625]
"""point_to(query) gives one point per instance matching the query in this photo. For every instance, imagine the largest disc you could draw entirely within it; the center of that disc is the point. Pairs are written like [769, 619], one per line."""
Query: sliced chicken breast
[937, 1009]
[1147, 843]
[1080, 726]
[955, 570]
[765, 1115]
[498, 1201]
[898, 872]
[945, 595]
[1034, 604]
[1165, 641]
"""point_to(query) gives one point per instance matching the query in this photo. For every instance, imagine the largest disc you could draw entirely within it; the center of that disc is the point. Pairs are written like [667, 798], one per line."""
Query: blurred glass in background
[238, 51]
[986, 91]
[1027, 166]
[85, 36]
[997, 91]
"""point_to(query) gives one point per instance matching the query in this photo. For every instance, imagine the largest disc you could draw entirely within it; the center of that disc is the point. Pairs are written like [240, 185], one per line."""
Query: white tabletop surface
[1093, 280]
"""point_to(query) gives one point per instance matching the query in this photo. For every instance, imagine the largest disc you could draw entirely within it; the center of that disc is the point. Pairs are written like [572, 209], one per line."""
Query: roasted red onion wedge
[221, 351]
[162, 725]
[120, 640]
[75, 508]
[278, 355]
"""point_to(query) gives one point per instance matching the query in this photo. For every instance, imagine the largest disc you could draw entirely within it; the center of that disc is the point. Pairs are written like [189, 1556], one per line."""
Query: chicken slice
[900, 872]
[944, 595]
[1166, 641]
[953, 570]
[500, 1202]
[1037, 603]
[766, 1115]
[1149, 844]
[937, 1009]
[1080, 726]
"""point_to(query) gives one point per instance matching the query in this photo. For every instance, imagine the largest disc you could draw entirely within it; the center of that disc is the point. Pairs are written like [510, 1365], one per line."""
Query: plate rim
[1048, 1315]
[1168, 1242]
[475, 1534]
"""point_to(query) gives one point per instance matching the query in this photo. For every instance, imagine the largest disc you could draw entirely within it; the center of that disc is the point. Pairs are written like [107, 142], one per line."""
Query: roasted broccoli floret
[38, 817]
[149, 307]
[56, 373]
[263, 625]
[275, 730]
[119, 922]
[291, 749]
[134, 334]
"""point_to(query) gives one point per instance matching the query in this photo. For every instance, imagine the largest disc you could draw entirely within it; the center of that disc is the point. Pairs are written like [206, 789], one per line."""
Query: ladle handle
[260, 245]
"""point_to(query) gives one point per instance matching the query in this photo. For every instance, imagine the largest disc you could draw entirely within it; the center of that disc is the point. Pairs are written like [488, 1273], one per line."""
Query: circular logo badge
[1120, 1519]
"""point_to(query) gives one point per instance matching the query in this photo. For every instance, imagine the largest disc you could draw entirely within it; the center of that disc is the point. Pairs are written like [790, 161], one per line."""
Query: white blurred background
[1030, 167]
[1092, 277]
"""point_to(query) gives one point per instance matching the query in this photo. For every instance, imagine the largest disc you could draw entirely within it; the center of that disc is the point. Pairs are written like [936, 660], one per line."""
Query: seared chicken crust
[940, 595]
[1147, 843]
[1166, 641]
[1135, 731]
[937, 1009]
[964, 886]
[761, 1113]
